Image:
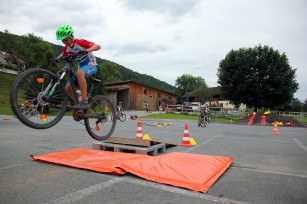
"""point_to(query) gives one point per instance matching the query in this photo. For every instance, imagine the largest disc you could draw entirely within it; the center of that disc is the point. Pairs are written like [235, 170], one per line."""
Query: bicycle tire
[100, 122]
[208, 119]
[201, 122]
[29, 89]
[122, 117]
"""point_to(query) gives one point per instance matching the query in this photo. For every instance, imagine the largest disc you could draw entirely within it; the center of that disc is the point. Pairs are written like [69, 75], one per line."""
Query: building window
[145, 91]
[170, 98]
[159, 94]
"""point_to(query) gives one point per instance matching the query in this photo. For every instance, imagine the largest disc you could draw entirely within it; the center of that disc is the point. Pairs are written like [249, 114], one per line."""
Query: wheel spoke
[31, 103]
[99, 121]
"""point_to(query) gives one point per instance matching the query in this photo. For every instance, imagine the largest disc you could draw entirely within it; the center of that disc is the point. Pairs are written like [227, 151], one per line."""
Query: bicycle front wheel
[100, 119]
[122, 117]
[32, 102]
[201, 122]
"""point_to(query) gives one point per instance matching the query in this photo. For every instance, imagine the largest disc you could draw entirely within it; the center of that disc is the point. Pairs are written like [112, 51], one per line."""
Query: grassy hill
[6, 81]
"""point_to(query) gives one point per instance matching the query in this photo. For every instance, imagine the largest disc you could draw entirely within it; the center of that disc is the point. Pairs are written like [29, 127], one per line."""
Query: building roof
[108, 86]
[188, 94]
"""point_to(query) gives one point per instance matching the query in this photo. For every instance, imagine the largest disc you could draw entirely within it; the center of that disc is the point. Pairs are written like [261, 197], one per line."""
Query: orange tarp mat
[193, 171]
[95, 160]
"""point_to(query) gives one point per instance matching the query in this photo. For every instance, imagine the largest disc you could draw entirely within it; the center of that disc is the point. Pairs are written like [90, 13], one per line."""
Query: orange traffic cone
[186, 137]
[275, 129]
[139, 132]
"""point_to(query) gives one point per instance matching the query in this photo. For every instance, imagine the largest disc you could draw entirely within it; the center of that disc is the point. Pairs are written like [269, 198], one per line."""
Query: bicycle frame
[68, 71]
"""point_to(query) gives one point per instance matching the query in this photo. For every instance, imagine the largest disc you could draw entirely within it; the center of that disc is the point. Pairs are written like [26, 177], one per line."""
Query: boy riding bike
[203, 112]
[86, 60]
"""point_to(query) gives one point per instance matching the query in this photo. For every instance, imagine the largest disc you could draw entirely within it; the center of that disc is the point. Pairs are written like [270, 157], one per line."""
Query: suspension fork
[56, 84]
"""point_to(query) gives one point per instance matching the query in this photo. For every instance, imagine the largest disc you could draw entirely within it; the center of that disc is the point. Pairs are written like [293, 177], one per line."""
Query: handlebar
[70, 58]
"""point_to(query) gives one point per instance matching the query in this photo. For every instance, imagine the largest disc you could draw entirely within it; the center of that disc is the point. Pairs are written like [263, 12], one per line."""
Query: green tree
[29, 48]
[35, 52]
[305, 106]
[187, 83]
[109, 73]
[259, 77]
[294, 105]
[8, 43]
[202, 93]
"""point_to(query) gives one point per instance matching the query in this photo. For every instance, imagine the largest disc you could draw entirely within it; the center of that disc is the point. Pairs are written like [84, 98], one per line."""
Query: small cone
[186, 137]
[192, 141]
[146, 137]
[275, 129]
[139, 132]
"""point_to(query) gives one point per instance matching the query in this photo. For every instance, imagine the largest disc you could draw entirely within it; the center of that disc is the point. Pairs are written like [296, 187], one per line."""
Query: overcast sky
[168, 38]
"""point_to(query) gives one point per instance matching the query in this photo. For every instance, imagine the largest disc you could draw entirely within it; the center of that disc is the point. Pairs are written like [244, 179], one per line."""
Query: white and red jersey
[80, 45]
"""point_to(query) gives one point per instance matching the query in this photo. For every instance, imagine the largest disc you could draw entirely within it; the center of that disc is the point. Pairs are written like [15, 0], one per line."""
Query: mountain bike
[202, 120]
[120, 115]
[45, 101]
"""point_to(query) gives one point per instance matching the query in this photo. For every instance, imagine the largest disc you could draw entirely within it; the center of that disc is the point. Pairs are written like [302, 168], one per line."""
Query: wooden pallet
[117, 144]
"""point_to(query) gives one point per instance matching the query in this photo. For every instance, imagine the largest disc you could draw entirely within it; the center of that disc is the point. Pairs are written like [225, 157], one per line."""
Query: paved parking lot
[267, 168]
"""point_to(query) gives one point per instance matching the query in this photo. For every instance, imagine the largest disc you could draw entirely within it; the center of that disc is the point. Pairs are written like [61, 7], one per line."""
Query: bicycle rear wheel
[100, 119]
[212, 118]
[31, 102]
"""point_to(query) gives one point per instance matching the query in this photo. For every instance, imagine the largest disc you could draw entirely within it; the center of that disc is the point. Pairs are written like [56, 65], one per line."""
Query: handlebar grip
[54, 60]
[83, 52]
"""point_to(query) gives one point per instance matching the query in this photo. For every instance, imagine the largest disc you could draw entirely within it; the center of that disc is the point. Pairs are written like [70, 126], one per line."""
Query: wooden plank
[128, 141]
[166, 143]
[152, 150]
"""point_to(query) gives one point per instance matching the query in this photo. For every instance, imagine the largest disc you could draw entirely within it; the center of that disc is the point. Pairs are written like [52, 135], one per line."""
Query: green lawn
[6, 81]
[186, 116]
[301, 119]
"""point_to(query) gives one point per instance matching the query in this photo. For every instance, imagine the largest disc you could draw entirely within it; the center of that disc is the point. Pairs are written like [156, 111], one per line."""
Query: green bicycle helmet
[63, 32]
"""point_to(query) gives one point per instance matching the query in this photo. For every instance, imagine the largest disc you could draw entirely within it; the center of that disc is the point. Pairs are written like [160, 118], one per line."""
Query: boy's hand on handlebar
[54, 60]
[82, 52]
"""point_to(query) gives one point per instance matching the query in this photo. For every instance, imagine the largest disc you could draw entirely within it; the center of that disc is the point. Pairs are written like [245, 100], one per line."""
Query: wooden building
[134, 95]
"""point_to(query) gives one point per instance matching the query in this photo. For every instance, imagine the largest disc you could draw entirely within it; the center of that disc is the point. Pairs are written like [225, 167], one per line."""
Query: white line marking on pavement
[271, 172]
[78, 195]
[7, 167]
[184, 192]
[300, 144]
[191, 149]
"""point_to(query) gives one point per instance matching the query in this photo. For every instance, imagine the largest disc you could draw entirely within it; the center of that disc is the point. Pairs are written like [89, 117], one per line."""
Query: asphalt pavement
[267, 168]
